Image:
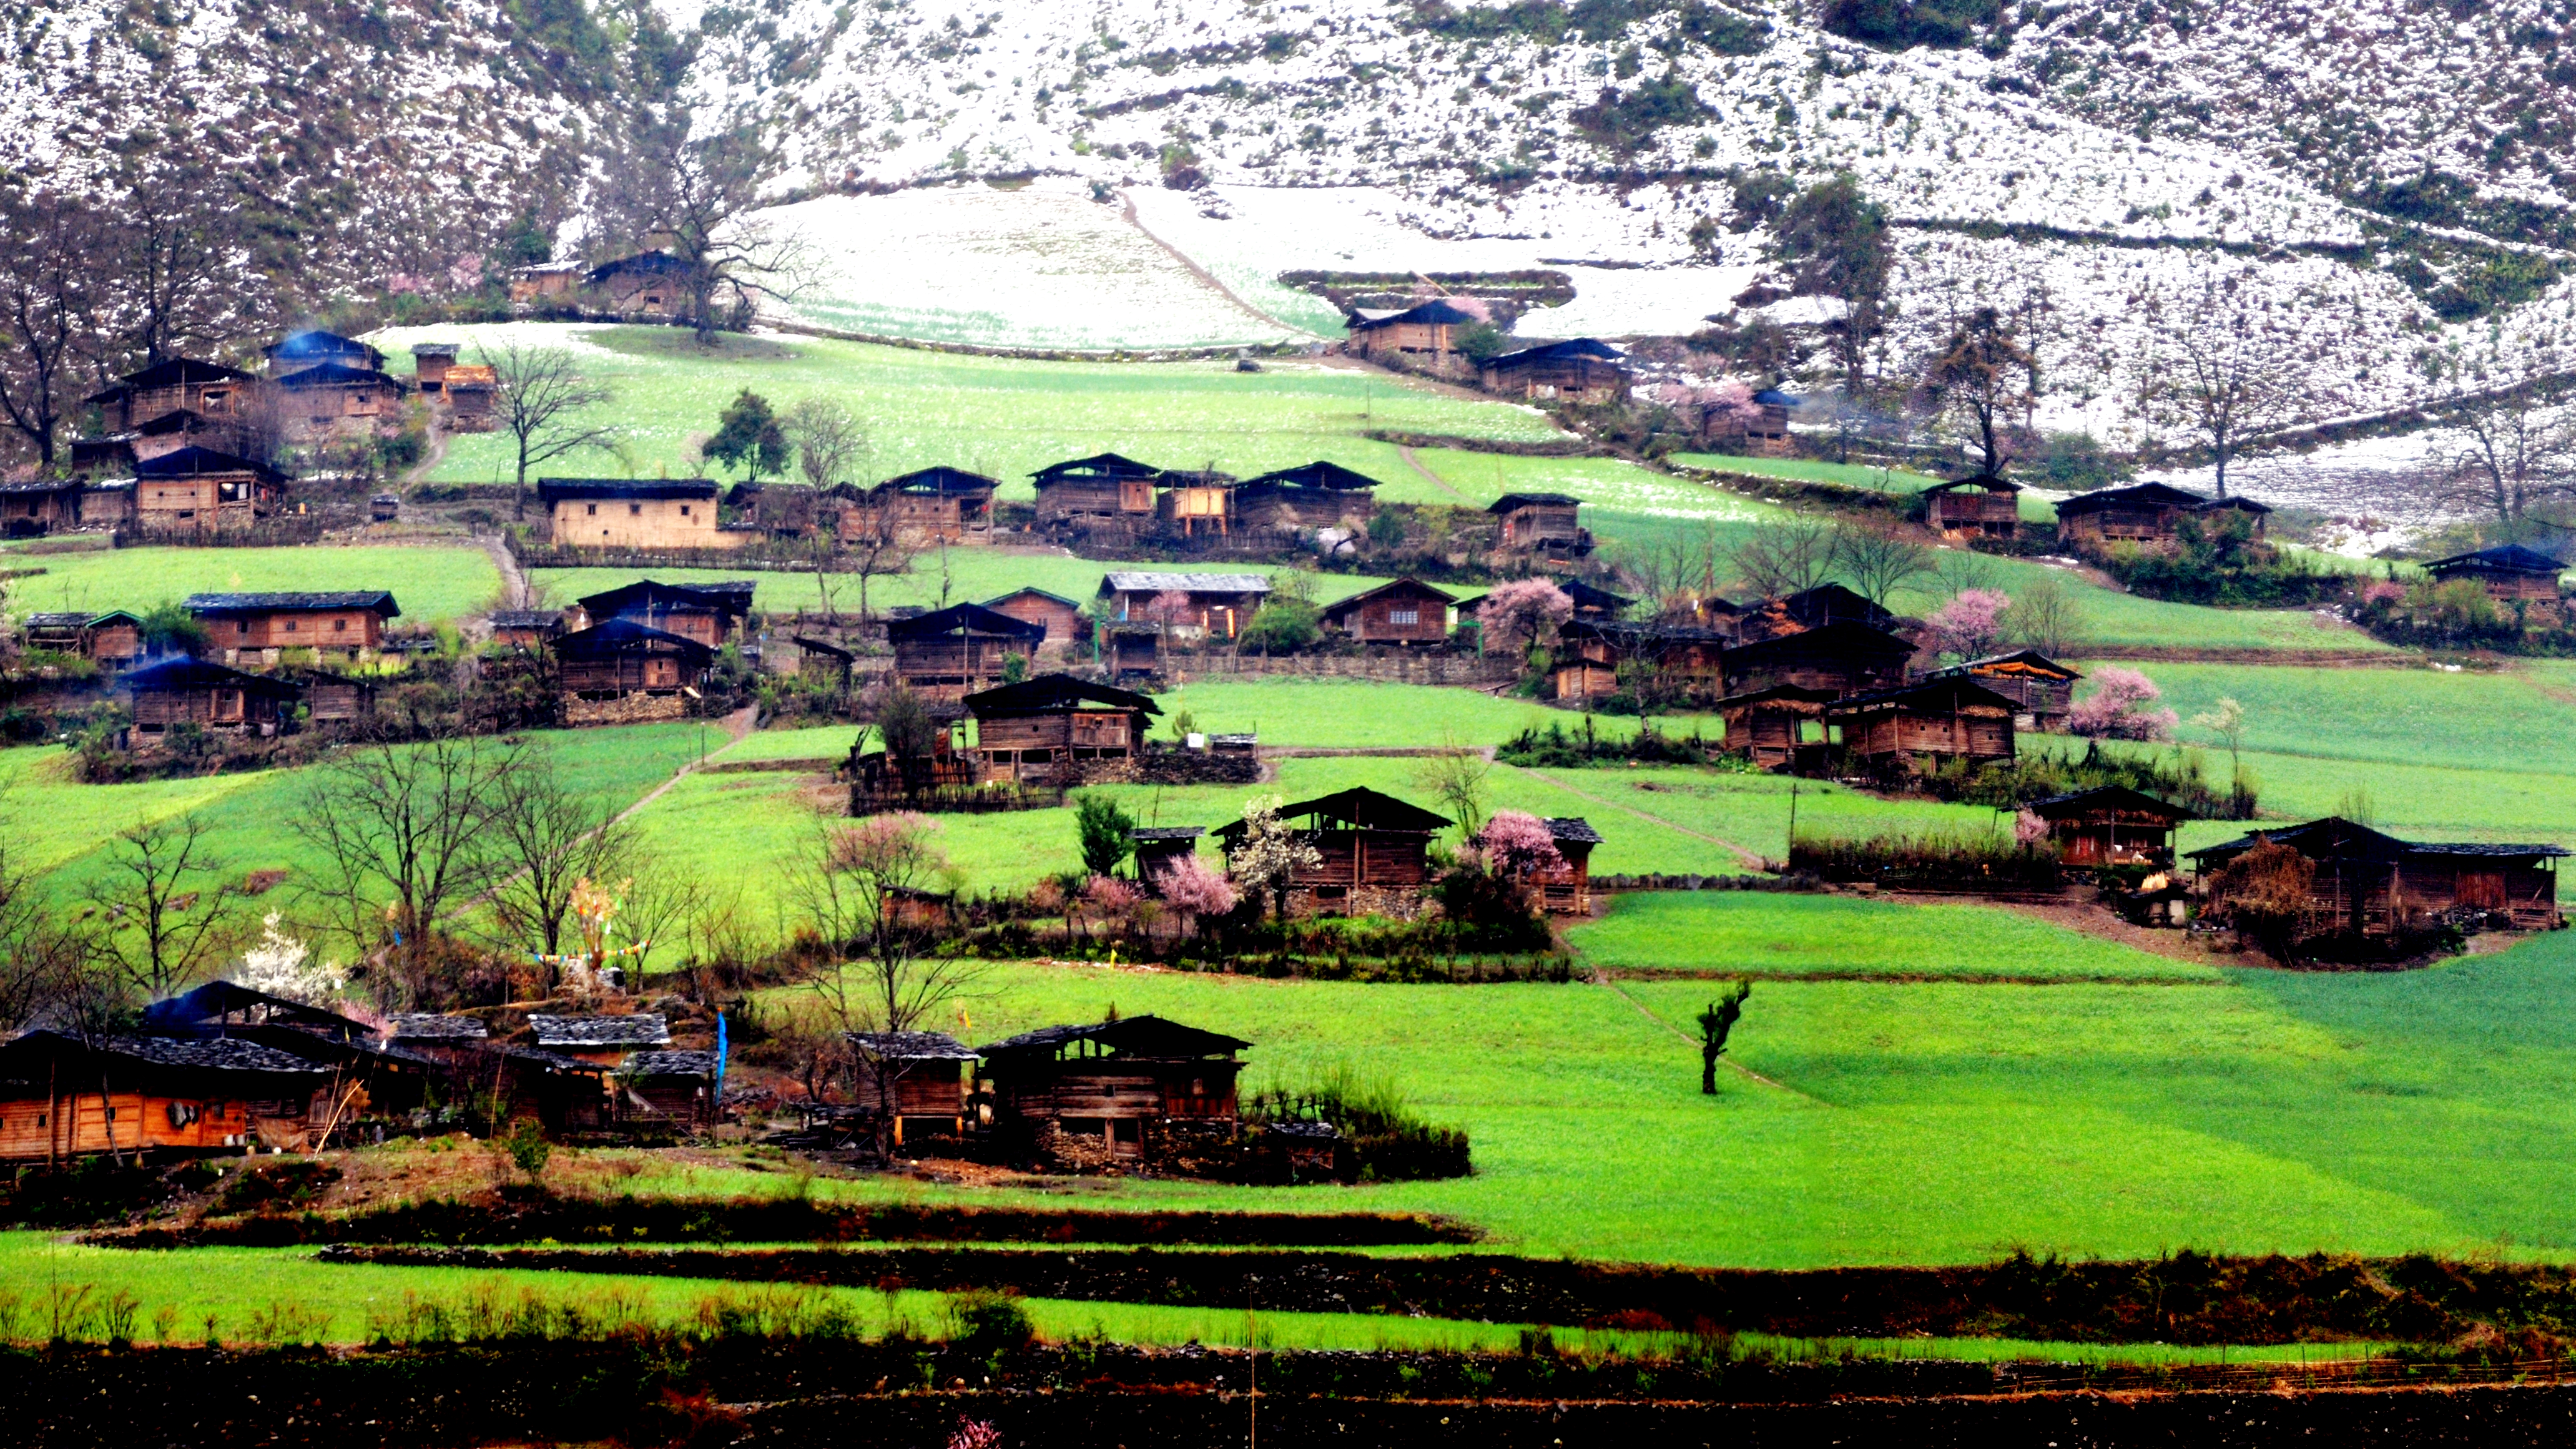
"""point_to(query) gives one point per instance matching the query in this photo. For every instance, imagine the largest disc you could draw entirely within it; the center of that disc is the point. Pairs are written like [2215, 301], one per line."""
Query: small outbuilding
[2511, 574]
[1545, 524]
[1102, 487]
[114, 638]
[1845, 658]
[1057, 730]
[2369, 884]
[916, 1078]
[2111, 825]
[1581, 370]
[1059, 616]
[1406, 611]
[1779, 728]
[1160, 849]
[708, 613]
[621, 672]
[2043, 688]
[1984, 506]
[1123, 1091]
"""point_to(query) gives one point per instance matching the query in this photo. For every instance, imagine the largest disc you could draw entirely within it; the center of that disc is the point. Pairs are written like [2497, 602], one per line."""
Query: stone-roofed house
[1140, 1089]
[632, 513]
[1184, 604]
[600, 1040]
[525, 628]
[61, 1097]
[671, 1087]
[256, 629]
[333, 400]
[915, 1078]
[1581, 370]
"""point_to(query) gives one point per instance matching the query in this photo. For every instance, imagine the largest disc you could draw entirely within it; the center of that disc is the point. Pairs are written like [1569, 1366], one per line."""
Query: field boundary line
[1680, 1035]
[1742, 854]
[1890, 978]
[1127, 205]
[1405, 451]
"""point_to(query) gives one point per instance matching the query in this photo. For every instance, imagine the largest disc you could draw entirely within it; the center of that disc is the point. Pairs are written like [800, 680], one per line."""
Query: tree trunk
[1708, 1071]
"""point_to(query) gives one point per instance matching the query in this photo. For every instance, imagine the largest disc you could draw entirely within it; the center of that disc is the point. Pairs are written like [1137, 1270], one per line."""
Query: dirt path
[2089, 920]
[436, 454]
[1747, 856]
[1206, 277]
[736, 725]
[514, 582]
[1693, 1043]
[1437, 481]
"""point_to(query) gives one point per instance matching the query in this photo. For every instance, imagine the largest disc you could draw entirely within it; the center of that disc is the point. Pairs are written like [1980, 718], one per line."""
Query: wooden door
[2482, 889]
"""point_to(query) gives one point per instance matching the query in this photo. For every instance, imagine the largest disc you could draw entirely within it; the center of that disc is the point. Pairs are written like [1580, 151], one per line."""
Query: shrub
[528, 1148]
[1930, 862]
[1102, 828]
[985, 1322]
[1389, 1141]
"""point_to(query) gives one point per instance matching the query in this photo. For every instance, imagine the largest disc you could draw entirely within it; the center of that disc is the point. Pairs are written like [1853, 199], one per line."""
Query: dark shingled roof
[552, 1061]
[78, 619]
[213, 1053]
[178, 371]
[429, 1026]
[643, 1028]
[1357, 806]
[1407, 584]
[998, 600]
[1574, 828]
[911, 1046]
[334, 374]
[196, 462]
[525, 619]
[314, 342]
[217, 999]
[553, 490]
[655, 263]
[1167, 832]
[1318, 474]
[732, 595]
[1055, 691]
[1986, 481]
[964, 619]
[2031, 657]
[1135, 1036]
[671, 1064]
[1593, 596]
[619, 636]
[2104, 797]
[379, 600]
[943, 480]
[1571, 349]
[1098, 465]
[1436, 312]
[200, 674]
[2511, 558]
[1510, 501]
[1955, 689]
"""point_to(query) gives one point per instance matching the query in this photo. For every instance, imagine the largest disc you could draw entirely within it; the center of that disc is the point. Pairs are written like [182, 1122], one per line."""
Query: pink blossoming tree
[2119, 708]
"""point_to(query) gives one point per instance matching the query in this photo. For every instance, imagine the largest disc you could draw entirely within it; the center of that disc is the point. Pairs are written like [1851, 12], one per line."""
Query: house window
[594, 509]
[635, 510]
[242, 626]
[1404, 616]
[684, 510]
[339, 626]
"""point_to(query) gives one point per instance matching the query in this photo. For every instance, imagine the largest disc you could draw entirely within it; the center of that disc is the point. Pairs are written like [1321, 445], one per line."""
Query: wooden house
[600, 1040]
[1809, 609]
[1407, 611]
[206, 390]
[622, 671]
[2042, 688]
[915, 1078]
[1586, 661]
[1215, 606]
[557, 1092]
[473, 398]
[331, 400]
[1543, 524]
[2111, 825]
[429, 364]
[1160, 848]
[1103, 487]
[209, 696]
[122, 452]
[1779, 728]
[1567, 890]
[1195, 502]
[525, 628]
[2150, 513]
[1096, 1095]
[1984, 506]
[1374, 849]
[1945, 718]
[35, 507]
[256, 629]
[797, 510]
[62, 1097]
[1845, 658]
[112, 638]
[450, 1041]
[670, 1089]
[2510, 575]
[312, 347]
[545, 282]
[194, 491]
[708, 613]
[1056, 730]
[1593, 602]
[929, 507]
[944, 654]
[823, 659]
[1312, 495]
[1059, 616]
[647, 284]
[2370, 884]
[1682, 662]
[384, 508]
[338, 699]
[1423, 335]
[632, 513]
[1582, 370]
[394, 1079]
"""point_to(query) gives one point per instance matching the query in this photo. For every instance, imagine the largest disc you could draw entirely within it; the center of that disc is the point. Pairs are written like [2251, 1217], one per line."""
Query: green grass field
[936, 579]
[431, 583]
[1767, 935]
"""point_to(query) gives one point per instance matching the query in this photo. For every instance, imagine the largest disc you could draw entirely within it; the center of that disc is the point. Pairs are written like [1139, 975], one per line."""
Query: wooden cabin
[1195, 503]
[62, 1098]
[2510, 575]
[945, 654]
[1159, 848]
[1312, 495]
[1103, 487]
[331, 400]
[1093, 1096]
[1216, 606]
[338, 699]
[254, 629]
[112, 638]
[108, 503]
[545, 282]
[123, 452]
[621, 671]
[2150, 513]
[1135, 651]
[1779, 728]
[299, 350]
[1567, 890]
[670, 1089]
[1984, 506]
[1056, 730]
[1407, 611]
[600, 1040]
[708, 613]
[1593, 602]
[2370, 884]
[647, 284]
[384, 508]
[1842, 657]
[1810, 609]
[927, 508]
[915, 1078]
[823, 659]
[2043, 689]
[2111, 825]
[1545, 524]
[209, 696]
[1938, 719]
[1059, 616]
[429, 364]
[631, 513]
[207, 390]
[1581, 370]
[1375, 853]
[1423, 335]
[473, 398]
[526, 628]
[395, 1080]
[194, 491]
[1678, 661]
[35, 507]
[1586, 660]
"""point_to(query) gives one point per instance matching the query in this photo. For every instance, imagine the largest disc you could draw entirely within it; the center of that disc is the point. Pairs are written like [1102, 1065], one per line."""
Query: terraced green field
[431, 583]
[1837, 936]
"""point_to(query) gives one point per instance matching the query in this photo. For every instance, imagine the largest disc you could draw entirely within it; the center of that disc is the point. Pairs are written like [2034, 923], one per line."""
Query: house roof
[436, 349]
[964, 619]
[314, 342]
[726, 596]
[2105, 797]
[1166, 832]
[1055, 691]
[911, 1046]
[177, 372]
[1357, 806]
[1098, 465]
[1512, 501]
[431, 1026]
[1144, 581]
[1573, 829]
[1318, 474]
[642, 1028]
[2335, 838]
[217, 999]
[672, 1064]
[1772, 397]
[1131, 1036]
[1436, 312]
[1593, 596]
[197, 462]
[812, 645]
[526, 619]
[1942, 692]
[1985, 481]
[943, 480]
[553, 490]
[1407, 585]
[335, 374]
[172, 674]
[1826, 603]
[77, 619]
[202, 1053]
[2030, 660]
[619, 636]
[1784, 693]
[1032, 590]
[1573, 349]
[378, 600]
[2147, 495]
[1840, 636]
[655, 263]
[41, 485]
[2511, 558]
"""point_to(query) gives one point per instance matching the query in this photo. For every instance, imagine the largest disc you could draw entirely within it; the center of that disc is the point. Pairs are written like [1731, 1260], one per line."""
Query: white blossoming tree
[282, 966]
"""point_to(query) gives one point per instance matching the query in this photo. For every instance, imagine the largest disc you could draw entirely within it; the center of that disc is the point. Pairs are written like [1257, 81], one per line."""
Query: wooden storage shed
[708, 613]
[1782, 727]
[1984, 506]
[2370, 884]
[1842, 657]
[1580, 370]
[1406, 611]
[210, 696]
[2043, 689]
[916, 1078]
[621, 671]
[1374, 853]
[1056, 730]
[1094, 1095]
[115, 637]
[1940, 719]
[1059, 616]
[1186, 604]
[1311, 495]
[928, 507]
[1547, 524]
[2111, 825]
[2511, 574]
[1159, 848]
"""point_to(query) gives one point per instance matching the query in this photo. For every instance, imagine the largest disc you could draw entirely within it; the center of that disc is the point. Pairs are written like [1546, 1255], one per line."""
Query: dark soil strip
[2185, 1299]
[1895, 978]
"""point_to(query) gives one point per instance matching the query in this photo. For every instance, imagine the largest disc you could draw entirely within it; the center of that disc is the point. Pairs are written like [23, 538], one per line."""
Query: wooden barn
[1159, 848]
[2370, 884]
[621, 671]
[1312, 495]
[526, 628]
[194, 491]
[916, 1078]
[430, 362]
[1095, 1095]
[1375, 853]
[944, 654]
[1406, 611]
[1195, 502]
[2043, 689]
[62, 1098]
[34, 507]
[2145, 513]
[1104, 486]
[1580, 370]
[926, 508]
[633, 513]
[1059, 616]
[337, 699]
[1542, 524]
[708, 613]
[1214, 605]
[1845, 658]
[1135, 651]
[1586, 660]
[1779, 728]
[473, 398]
[647, 284]
[209, 696]
[1057, 730]
[1423, 335]
[332, 400]
[112, 638]
[1683, 662]
[2511, 574]
[2111, 825]
[257, 628]
[1984, 506]
[1939, 719]
[544, 282]
[207, 390]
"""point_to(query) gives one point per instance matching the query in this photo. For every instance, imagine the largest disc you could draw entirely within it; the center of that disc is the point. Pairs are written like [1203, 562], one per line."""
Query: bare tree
[2517, 419]
[1676, 572]
[873, 540]
[829, 439]
[550, 837]
[1878, 557]
[401, 832]
[2226, 362]
[50, 242]
[539, 397]
[1785, 555]
[2044, 616]
[165, 909]
[696, 194]
[182, 274]
[1980, 382]
[1455, 776]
